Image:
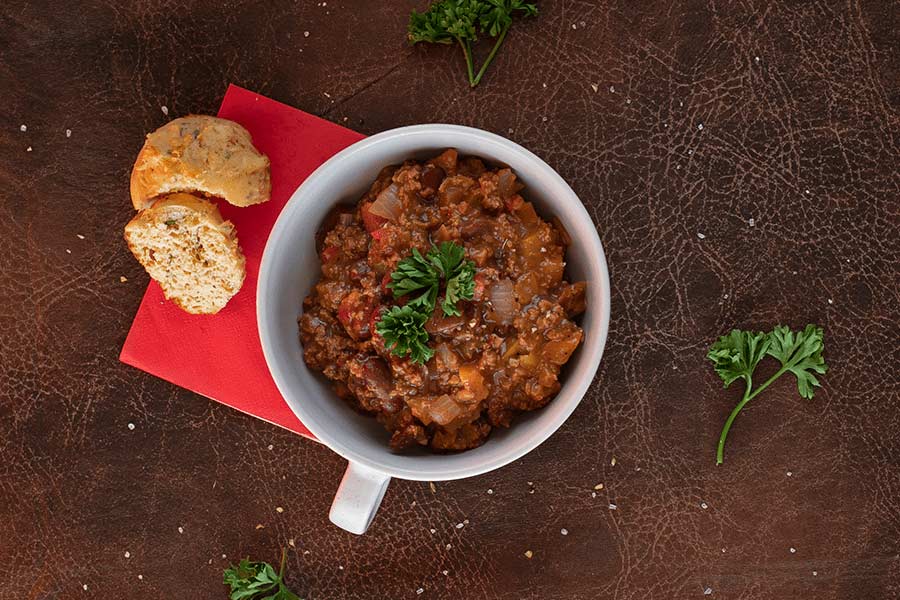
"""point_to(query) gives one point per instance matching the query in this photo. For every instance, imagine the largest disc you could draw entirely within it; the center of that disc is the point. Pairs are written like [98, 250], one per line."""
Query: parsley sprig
[403, 327]
[447, 21]
[736, 355]
[257, 581]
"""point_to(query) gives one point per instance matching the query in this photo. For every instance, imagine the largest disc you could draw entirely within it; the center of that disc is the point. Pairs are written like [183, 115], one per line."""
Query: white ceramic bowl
[290, 267]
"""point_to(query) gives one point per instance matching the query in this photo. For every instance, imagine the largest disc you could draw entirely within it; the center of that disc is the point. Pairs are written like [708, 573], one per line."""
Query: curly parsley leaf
[801, 354]
[257, 581]
[736, 355]
[403, 330]
[447, 21]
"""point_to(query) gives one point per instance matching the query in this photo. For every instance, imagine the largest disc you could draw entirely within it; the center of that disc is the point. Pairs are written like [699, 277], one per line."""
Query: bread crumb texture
[185, 245]
[201, 154]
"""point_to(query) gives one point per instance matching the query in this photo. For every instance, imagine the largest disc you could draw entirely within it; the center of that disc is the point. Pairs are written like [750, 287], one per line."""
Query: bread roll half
[203, 154]
[184, 244]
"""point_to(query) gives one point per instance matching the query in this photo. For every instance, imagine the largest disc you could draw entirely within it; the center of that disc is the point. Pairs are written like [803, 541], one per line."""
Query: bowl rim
[574, 389]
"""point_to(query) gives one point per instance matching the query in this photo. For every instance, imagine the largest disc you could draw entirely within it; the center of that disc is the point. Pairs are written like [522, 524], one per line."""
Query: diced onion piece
[388, 204]
[507, 184]
[441, 409]
[563, 234]
[503, 300]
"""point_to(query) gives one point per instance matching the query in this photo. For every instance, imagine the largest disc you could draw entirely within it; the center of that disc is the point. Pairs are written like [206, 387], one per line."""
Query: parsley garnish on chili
[403, 327]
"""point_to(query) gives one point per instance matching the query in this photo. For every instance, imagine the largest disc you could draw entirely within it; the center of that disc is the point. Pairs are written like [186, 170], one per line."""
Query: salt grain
[131, 426]
[544, 85]
[164, 109]
[701, 236]
[595, 87]
[122, 279]
[628, 101]
[445, 572]
[432, 486]
[420, 591]
[141, 577]
[707, 591]
[181, 530]
[68, 251]
[490, 491]
[68, 133]
[815, 573]
[593, 494]
[793, 550]
[613, 507]
[340, 567]
[28, 149]
[704, 505]
[751, 222]
[291, 543]
[270, 446]
[543, 119]
[305, 34]
[599, 486]
[279, 510]
[84, 587]
[79, 236]
[432, 531]
[612, 89]
[564, 531]
[612, 463]
[529, 554]
[830, 301]
[789, 473]
[449, 546]
[700, 126]
[460, 525]
[756, 58]
[127, 554]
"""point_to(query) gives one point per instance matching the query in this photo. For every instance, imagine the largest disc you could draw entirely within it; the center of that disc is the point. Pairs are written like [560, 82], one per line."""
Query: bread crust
[201, 154]
[179, 205]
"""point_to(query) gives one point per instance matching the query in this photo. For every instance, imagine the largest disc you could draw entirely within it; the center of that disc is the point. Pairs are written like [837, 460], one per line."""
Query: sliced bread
[184, 244]
[204, 154]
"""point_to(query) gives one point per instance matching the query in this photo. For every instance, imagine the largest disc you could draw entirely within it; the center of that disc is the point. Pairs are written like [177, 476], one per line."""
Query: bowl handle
[358, 498]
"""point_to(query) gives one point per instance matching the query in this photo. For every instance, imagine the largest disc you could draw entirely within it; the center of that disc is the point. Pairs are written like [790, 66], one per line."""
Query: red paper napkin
[219, 356]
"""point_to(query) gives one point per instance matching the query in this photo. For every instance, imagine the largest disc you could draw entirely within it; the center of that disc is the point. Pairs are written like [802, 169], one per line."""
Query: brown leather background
[800, 108]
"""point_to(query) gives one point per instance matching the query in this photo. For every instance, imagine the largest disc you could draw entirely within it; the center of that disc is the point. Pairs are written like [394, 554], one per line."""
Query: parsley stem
[467, 52]
[748, 396]
[489, 58]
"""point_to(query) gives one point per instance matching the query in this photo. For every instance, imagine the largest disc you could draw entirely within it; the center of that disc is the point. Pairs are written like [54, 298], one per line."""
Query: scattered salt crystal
[279, 510]
[460, 525]
[291, 542]
[752, 222]
[680, 103]
[84, 587]
[756, 58]
[327, 95]
[543, 119]
[690, 152]
[131, 426]
[224, 556]
[815, 573]
[612, 89]
[420, 591]
[466, 521]
[612, 463]
[613, 507]
[68, 251]
[432, 530]
[700, 126]
[141, 577]
[431, 483]
[127, 554]
[628, 101]
[574, 26]
[122, 279]
[68, 133]
[181, 530]
[449, 546]
[564, 531]
[28, 149]
[529, 554]
[305, 34]
[544, 85]
[723, 550]
[340, 567]
[79, 236]
[490, 491]
[808, 192]
[707, 591]
[789, 473]
[445, 572]
[595, 87]
[830, 301]
[704, 505]
[793, 550]
[270, 446]
[599, 486]
[23, 128]
[164, 109]
[701, 236]
[509, 131]
[593, 494]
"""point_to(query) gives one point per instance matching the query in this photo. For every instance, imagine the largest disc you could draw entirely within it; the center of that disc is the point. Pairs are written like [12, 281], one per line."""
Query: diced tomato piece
[371, 221]
[354, 313]
[479, 288]
[377, 234]
[384, 283]
[514, 203]
[329, 253]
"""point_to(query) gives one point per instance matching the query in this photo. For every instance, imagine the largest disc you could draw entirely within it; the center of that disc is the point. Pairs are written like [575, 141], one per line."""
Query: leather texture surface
[669, 119]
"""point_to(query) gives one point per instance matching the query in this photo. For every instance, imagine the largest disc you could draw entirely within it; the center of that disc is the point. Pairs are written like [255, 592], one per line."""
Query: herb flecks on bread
[184, 244]
[201, 154]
